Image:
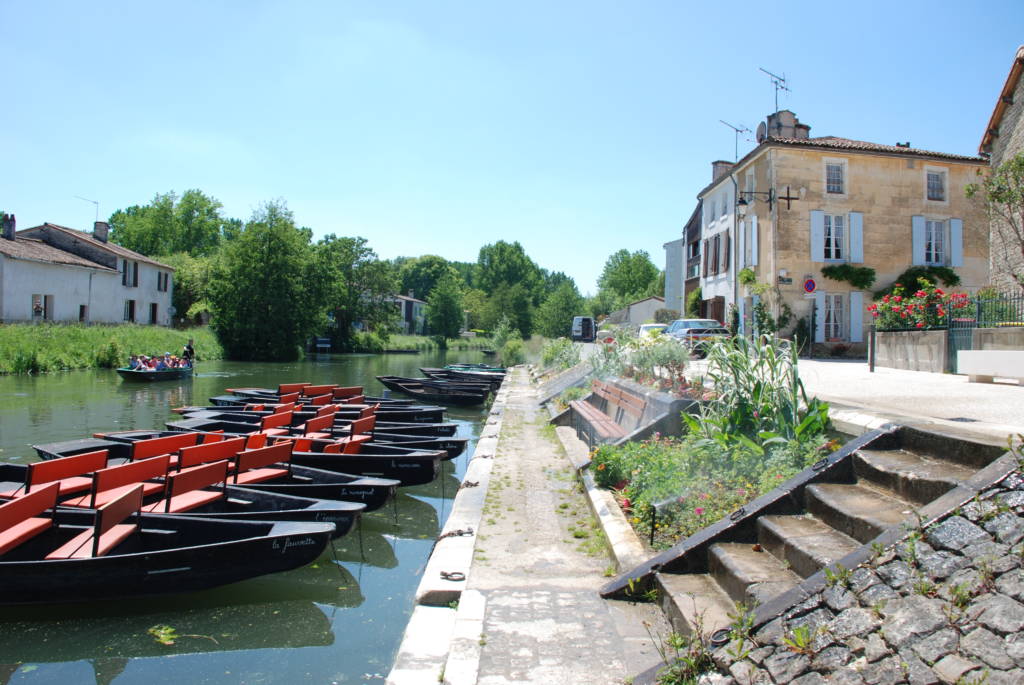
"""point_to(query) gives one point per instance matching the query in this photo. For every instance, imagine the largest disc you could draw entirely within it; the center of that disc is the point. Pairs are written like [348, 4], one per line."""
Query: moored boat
[440, 394]
[150, 375]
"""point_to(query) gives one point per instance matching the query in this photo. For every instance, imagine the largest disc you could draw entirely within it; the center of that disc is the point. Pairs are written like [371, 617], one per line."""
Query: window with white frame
[934, 242]
[833, 317]
[712, 208]
[835, 246]
[936, 185]
[835, 181]
[694, 249]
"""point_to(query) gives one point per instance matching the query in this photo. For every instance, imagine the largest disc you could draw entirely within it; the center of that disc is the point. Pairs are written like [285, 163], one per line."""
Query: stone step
[694, 601]
[912, 476]
[804, 542]
[856, 510]
[748, 573]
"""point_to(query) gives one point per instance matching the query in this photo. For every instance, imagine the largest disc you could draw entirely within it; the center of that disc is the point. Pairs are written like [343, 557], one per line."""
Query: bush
[110, 356]
[560, 354]
[924, 308]
[693, 301]
[513, 352]
[368, 342]
[665, 315]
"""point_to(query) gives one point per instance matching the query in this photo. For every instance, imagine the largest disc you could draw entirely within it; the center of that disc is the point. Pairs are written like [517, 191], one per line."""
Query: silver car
[695, 332]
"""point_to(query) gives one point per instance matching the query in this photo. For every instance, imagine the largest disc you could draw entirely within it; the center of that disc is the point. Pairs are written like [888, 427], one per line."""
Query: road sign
[810, 286]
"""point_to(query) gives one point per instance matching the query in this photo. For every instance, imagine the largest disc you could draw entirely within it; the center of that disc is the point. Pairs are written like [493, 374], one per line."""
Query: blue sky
[576, 128]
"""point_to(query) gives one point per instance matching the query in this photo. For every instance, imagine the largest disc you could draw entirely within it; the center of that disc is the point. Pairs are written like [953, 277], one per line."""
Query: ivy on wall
[860, 277]
[908, 278]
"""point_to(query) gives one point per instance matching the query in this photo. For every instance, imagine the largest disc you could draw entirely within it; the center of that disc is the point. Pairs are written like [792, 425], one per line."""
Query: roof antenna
[95, 203]
[780, 84]
[736, 138]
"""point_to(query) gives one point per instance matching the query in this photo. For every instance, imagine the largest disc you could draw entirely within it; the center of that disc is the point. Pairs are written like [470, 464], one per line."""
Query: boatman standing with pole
[188, 353]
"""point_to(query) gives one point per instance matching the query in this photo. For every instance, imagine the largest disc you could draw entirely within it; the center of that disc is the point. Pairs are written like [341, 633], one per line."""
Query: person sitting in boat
[161, 365]
[134, 362]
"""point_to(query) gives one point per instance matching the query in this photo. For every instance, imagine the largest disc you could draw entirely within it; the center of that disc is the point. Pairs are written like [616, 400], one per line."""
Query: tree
[503, 265]
[191, 224]
[359, 286]
[444, 309]
[515, 303]
[474, 303]
[1003, 192]
[629, 275]
[190, 295]
[554, 317]
[266, 288]
[420, 274]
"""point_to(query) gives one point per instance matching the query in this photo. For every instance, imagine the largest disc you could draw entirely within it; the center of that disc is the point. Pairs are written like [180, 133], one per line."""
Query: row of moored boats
[259, 481]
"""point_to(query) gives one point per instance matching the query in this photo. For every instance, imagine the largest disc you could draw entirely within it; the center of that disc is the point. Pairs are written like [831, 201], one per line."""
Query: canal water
[339, 620]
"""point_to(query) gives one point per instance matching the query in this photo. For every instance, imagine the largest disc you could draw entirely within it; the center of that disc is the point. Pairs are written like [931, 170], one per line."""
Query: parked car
[695, 333]
[583, 329]
[651, 329]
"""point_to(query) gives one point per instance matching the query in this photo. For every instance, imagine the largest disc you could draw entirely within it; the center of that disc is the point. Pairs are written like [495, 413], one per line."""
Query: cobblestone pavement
[539, 562]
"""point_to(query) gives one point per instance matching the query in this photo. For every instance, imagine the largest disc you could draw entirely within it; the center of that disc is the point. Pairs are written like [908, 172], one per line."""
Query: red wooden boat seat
[327, 409]
[354, 399]
[168, 444]
[286, 388]
[256, 466]
[315, 390]
[108, 531]
[370, 410]
[255, 407]
[254, 441]
[320, 400]
[349, 445]
[289, 397]
[207, 452]
[110, 483]
[275, 423]
[184, 488]
[349, 391]
[20, 518]
[73, 474]
[318, 428]
[363, 426]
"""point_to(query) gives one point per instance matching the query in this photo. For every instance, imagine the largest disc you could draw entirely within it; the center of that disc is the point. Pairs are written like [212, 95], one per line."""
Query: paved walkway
[538, 565]
[932, 400]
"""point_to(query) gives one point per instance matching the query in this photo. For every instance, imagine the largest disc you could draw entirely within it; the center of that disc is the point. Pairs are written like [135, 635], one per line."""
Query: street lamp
[748, 196]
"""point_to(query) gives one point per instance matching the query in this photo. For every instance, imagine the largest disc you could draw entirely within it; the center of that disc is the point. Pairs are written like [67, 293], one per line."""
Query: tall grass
[423, 343]
[28, 348]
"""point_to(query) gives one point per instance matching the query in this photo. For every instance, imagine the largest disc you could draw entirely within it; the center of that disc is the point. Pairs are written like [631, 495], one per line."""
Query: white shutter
[753, 240]
[917, 235]
[856, 316]
[956, 242]
[819, 315]
[817, 235]
[742, 256]
[856, 224]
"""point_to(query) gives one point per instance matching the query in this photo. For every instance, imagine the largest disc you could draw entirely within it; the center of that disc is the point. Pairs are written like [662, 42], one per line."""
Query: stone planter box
[912, 350]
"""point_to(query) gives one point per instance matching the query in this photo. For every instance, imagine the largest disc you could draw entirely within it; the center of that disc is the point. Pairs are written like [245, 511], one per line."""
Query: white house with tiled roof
[795, 204]
[55, 273]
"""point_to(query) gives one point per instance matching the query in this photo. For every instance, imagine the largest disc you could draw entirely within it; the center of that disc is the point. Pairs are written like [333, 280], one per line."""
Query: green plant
[932, 274]
[860, 277]
[686, 657]
[560, 354]
[800, 639]
[961, 595]
[746, 276]
[924, 308]
[693, 301]
[512, 352]
[840, 577]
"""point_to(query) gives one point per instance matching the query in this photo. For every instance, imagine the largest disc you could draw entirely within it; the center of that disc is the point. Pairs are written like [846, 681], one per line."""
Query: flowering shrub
[926, 307]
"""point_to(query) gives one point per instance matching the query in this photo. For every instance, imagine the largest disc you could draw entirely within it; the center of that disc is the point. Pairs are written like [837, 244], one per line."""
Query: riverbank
[30, 348]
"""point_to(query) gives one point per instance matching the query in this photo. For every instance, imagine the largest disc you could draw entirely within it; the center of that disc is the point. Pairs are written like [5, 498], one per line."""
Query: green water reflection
[339, 620]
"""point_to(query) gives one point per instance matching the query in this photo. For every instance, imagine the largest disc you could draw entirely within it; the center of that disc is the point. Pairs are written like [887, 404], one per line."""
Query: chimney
[100, 229]
[9, 224]
[784, 124]
[719, 169]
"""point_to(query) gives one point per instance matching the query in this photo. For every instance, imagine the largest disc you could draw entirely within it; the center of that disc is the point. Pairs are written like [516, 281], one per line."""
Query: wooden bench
[73, 474]
[168, 444]
[20, 518]
[605, 420]
[184, 489]
[286, 388]
[347, 391]
[110, 483]
[108, 531]
[276, 424]
[318, 427]
[210, 452]
[257, 466]
[982, 366]
[320, 400]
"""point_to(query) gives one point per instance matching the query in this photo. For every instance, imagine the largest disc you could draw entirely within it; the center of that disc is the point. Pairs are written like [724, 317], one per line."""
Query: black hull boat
[150, 375]
[167, 555]
[493, 379]
[441, 392]
[300, 417]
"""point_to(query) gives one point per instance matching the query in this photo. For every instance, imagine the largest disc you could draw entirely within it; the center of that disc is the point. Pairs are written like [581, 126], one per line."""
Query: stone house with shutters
[54, 273]
[1003, 140]
[795, 204]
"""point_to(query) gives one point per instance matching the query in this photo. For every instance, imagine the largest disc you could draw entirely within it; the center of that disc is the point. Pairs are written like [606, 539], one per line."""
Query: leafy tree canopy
[420, 274]
[554, 317]
[1003, 192]
[169, 224]
[504, 265]
[444, 308]
[515, 303]
[629, 274]
[359, 286]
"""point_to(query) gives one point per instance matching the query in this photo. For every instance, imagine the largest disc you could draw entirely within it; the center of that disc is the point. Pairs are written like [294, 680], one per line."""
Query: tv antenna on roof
[780, 84]
[736, 138]
[95, 203]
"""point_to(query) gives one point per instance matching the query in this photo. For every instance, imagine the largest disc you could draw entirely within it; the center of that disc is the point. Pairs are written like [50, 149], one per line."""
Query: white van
[583, 329]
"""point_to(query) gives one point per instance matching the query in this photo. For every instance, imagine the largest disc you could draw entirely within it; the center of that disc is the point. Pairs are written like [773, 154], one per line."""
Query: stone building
[55, 273]
[1003, 140]
[682, 264]
[795, 204]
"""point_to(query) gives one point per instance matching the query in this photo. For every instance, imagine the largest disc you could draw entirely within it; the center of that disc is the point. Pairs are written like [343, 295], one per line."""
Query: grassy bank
[369, 342]
[28, 348]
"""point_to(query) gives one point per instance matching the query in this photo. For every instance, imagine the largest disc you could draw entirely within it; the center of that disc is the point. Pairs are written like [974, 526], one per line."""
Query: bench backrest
[289, 397]
[196, 478]
[327, 410]
[55, 469]
[320, 400]
[276, 420]
[207, 452]
[13, 512]
[128, 474]
[349, 391]
[319, 424]
[168, 444]
[621, 400]
[113, 513]
[314, 390]
[280, 453]
[363, 426]
[369, 411]
[254, 441]
[283, 407]
[286, 388]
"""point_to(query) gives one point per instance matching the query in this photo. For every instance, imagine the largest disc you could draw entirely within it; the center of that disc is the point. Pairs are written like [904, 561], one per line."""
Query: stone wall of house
[1006, 254]
[912, 350]
[944, 605]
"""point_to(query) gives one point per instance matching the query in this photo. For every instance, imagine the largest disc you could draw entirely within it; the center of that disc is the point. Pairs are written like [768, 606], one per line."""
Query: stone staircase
[770, 554]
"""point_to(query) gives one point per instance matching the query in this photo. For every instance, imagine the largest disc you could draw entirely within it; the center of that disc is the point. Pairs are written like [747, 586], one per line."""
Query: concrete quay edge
[435, 633]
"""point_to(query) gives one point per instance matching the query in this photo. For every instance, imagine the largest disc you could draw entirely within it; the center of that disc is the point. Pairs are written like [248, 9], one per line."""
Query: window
[124, 272]
[833, 317]
[135, 274]
[83, 313]
[834, 181]
[936, 186]
[712, 208]
[695, 249]
[162, 281]
[934, 242]
[129, 311]
[834, 246]
[694, 271]
[152, 313]
[716, 245]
